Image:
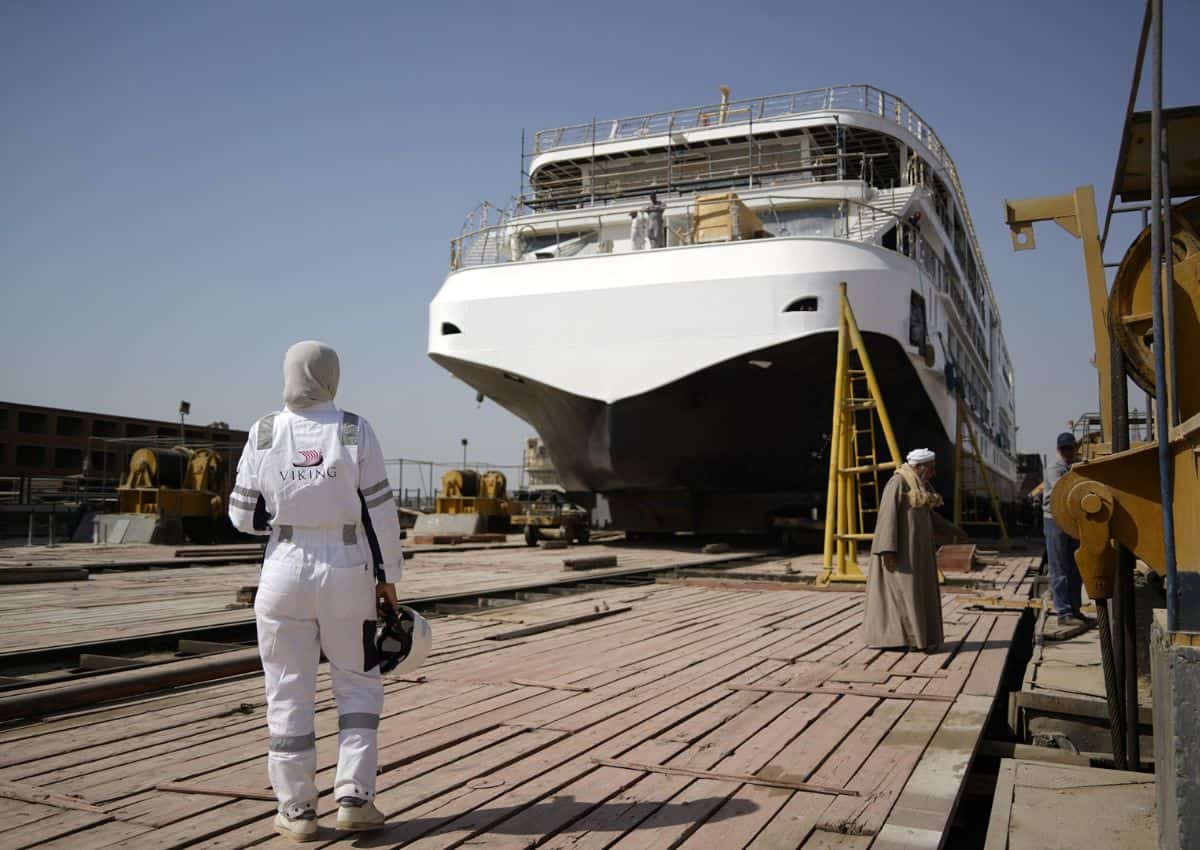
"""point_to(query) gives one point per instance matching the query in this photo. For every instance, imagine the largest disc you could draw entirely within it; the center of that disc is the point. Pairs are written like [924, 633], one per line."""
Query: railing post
[670, 145]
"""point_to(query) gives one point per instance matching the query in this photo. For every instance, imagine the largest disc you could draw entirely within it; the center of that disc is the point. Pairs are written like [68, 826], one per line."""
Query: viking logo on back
[309, 457]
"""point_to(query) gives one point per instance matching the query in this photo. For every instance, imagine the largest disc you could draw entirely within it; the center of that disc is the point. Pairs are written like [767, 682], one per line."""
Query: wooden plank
[35, 833]
[877, 693]
[590, 563]
[878, 677]
[34, 794]
[989, 668]
[213, 791]
[1002, 798]
[925, 808]
[576, 688]
[37, 575]
[560, 624]
[884, 772]
[744, 778]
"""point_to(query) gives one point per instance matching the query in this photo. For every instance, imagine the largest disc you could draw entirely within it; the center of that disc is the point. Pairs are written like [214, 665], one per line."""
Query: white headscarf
[919, 456]
[310, 374]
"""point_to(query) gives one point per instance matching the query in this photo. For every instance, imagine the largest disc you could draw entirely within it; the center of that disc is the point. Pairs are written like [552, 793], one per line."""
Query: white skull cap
[919, 456]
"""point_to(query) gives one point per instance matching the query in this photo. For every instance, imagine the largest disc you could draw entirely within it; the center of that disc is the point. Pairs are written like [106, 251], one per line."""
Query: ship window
[564, 243]
[917, 330]
[807, 304]
[449, 328]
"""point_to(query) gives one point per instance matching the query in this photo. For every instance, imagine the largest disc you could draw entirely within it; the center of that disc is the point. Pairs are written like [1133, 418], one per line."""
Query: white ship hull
[681, 370]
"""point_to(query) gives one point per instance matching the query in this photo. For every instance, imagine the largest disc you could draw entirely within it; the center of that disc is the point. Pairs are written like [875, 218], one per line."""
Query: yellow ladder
[966, 492]
[854, 452]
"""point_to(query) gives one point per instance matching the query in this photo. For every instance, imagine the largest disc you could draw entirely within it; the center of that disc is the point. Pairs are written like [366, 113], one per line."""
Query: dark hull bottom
[723, 449]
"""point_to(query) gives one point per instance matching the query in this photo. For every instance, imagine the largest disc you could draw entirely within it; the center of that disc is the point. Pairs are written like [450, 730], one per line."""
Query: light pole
[185, 407]
[464, 445]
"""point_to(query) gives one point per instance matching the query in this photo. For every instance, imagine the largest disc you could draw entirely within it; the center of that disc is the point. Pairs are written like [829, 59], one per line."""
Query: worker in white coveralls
[904, 605]
[315, 474]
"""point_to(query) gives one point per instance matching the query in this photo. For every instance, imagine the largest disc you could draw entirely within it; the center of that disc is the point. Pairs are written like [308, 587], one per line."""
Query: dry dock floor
[744, 715]
[116, 604]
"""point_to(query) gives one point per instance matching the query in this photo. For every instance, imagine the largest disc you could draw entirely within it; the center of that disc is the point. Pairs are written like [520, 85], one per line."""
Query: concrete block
[1176, 682]
[457, 524]
[126, 528]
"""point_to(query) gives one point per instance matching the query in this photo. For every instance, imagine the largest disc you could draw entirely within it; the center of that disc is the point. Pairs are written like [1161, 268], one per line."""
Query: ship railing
[856, 97]
[572, 232]
[859, 97]
[717, 165]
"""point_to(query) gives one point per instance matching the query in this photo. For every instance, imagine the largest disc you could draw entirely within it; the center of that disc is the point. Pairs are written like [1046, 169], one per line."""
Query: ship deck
[679, 713]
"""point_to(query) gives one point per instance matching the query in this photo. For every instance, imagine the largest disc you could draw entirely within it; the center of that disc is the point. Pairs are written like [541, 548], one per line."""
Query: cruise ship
[661, 303]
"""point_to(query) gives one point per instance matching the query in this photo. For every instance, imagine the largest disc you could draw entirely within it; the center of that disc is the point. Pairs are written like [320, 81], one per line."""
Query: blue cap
[1066, 440]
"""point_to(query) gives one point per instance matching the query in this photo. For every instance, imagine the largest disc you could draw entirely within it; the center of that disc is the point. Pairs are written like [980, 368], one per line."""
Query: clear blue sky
[189, 187]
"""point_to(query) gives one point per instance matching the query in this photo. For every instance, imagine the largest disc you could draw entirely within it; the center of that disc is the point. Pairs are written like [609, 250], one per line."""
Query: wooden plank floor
[545, 740]
[1063, 692]
[1041, 805]
[112, 605]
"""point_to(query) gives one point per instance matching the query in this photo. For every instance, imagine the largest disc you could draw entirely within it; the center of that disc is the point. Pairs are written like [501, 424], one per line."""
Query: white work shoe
[356, 814]
[303, 828]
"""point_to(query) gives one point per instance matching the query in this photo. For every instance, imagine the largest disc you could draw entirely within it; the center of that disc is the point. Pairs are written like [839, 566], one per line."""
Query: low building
[56, 443]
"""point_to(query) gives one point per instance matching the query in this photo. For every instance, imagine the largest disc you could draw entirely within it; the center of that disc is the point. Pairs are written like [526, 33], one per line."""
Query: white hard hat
[404, 642]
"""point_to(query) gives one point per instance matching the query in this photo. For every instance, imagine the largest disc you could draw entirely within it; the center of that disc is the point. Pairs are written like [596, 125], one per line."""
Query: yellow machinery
[465, 491]
[1142, 501]
[178, 482]
[546, 514]
[1117, 497]
[182, 487]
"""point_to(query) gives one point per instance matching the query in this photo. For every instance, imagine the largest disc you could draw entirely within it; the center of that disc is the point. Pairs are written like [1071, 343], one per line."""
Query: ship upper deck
[768, 108]
[750, 116]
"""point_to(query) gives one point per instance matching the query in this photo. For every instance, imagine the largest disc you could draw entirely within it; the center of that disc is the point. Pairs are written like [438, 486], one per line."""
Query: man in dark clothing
[1066, 585]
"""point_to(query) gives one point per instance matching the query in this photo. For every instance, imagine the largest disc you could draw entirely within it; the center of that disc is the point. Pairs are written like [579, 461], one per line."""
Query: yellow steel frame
[843, 501]
[1076, 214]
[964, 426]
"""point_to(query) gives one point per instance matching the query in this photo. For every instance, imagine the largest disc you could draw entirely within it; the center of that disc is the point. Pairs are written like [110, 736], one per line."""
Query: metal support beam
[1076, 214]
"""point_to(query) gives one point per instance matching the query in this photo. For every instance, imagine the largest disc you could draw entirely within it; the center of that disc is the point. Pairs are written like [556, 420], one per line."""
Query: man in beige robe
[904, 605]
